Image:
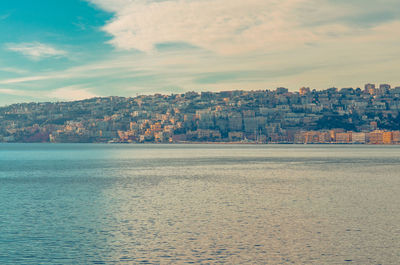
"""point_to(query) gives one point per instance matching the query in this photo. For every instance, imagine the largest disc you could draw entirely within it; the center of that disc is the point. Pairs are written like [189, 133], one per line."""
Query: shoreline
[205, 143]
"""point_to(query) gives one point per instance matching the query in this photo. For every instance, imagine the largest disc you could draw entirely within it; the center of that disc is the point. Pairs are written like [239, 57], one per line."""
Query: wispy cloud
[36, 50]
[29, 79]
[75, 92]
[13, 70]
[13, 92]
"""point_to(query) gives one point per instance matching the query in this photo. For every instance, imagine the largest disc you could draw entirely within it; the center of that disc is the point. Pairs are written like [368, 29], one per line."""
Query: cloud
[226, 45]
[36, 50]
[13, 70]
[12, 92]
[23, 79]
[234, 27]
[221, 26]
[67, 93]
[71, 93]
[348, 61]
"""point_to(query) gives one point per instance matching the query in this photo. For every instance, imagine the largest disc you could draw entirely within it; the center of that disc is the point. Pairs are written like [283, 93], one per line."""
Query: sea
[199, 204]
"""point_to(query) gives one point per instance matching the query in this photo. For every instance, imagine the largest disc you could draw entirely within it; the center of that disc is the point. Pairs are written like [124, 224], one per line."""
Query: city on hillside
[363, 116]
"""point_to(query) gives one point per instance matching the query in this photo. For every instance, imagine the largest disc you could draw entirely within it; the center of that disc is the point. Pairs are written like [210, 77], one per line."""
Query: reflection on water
[234, 204]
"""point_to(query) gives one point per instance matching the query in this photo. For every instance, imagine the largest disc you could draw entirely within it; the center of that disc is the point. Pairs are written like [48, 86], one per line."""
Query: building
[311, 137]
[333, 133]
[383, 89]
[387, 137]
[370, 89]
[304, 91]
[375, 137]
[358, 138]
[396, 137]
[343, 138]
[282, 90]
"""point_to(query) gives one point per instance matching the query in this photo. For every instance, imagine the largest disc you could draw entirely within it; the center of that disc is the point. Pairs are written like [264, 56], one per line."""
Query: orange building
[334, 132]
[387, 137]
[376, 137]
[311, 137]
[396, 137]
[304, 90]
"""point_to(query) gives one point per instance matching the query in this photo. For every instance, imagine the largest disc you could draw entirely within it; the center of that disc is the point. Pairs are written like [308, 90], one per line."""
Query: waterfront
[233, 204]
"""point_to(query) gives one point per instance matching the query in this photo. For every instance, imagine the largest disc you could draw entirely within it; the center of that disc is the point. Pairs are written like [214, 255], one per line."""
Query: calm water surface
[176, 204]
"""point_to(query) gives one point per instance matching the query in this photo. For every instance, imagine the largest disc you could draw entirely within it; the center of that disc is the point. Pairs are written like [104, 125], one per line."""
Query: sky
[75, 49]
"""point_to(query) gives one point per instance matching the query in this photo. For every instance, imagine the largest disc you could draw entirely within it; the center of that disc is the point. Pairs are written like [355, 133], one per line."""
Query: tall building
[383, 89]
[370, 88]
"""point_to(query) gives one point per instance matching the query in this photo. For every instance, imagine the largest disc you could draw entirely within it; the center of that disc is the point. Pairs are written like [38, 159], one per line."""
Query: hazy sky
[73, 49]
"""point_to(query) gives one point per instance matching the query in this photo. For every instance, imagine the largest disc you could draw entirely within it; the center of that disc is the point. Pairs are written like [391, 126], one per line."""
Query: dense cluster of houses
[347, 115]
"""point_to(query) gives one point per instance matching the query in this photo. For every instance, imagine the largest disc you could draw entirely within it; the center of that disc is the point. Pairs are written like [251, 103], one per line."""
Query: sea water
[177, 204]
